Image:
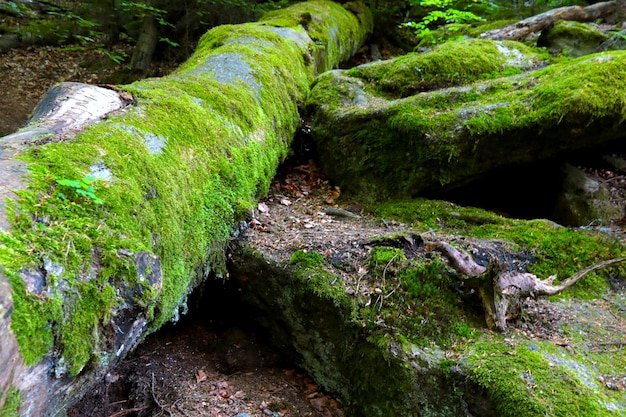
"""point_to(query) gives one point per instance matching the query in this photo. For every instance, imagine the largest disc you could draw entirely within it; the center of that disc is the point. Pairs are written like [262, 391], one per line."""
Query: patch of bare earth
[198, 368]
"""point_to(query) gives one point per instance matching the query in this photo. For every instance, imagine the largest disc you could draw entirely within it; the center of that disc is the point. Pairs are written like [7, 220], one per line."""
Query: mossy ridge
[304, 314]
[449, 64]
[520, 381]
[551, 245]
[400, 148]
[178, 201]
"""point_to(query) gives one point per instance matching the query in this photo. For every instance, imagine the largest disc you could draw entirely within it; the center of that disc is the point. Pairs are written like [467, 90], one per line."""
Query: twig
[387, 266]
[179, 408]
[614, 343]
[127, 411]
[571, 280]
[156, 401]
[394, 290]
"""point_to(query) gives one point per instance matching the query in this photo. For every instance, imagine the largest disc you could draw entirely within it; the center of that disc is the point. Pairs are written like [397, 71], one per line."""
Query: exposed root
[499, 288]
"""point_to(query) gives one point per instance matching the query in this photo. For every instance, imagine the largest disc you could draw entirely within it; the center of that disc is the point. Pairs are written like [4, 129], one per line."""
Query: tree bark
[176, 171]
[526, 27]
[146, 45]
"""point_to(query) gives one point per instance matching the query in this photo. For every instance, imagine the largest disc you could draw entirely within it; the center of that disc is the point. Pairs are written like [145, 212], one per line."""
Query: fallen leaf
[263, 208]
[201, 376]
[285, 202]
[320, 403]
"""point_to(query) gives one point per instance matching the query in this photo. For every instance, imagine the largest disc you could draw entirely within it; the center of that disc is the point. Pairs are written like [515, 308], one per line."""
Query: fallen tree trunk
[526, 27]
[499, 287]
[105, 231]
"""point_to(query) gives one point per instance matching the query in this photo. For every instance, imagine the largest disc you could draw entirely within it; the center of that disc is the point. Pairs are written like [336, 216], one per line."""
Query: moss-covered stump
[111, 227]
[391, 329]
[377, 147]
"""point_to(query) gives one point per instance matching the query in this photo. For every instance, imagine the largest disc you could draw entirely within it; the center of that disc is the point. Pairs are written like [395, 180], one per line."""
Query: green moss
[520, 381]
[449, 64]
[81, 334]
[417, 298]
[185, 165]
[323, 18]
[380, 149]
[382, 256]
[571, 38]
[309, 269]
[306, 259]
[11, 407]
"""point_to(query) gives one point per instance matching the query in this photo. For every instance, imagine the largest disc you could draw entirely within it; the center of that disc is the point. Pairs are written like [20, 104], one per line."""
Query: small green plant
[441, 12]
[83, 187]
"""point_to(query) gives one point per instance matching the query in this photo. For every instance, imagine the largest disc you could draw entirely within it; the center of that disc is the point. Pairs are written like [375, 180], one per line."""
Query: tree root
[498, 288]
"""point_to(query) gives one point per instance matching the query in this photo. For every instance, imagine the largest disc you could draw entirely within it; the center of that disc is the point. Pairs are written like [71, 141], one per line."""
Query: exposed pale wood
[499, 289]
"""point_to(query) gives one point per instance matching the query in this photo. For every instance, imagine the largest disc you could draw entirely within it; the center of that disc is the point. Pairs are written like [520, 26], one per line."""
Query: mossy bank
[390, 328]
[119, 223]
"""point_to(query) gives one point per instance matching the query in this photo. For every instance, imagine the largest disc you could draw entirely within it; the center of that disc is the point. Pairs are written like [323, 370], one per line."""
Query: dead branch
[534, 24]
[572, 280]
[460, 260]
[500, 288]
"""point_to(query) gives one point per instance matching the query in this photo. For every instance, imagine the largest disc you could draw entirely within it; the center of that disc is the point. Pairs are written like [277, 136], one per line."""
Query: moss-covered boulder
[111, 227]
[390, 328]
[573, 39]
[616, 42]
[449, 64]
[379, 147]
[585, 200]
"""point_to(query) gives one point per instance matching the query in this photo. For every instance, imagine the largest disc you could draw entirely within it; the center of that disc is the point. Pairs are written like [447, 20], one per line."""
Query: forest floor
[211, 365]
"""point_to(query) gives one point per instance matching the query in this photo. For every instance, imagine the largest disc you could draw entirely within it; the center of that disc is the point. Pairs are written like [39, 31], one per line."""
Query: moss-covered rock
[117, 225]
[378, 148]
[447, 65]
[571, 38]
[405, 337]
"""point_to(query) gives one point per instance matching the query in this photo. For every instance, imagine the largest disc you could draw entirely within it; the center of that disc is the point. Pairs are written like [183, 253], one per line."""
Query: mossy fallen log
[379, 147]
[106, 231]
[608, 10]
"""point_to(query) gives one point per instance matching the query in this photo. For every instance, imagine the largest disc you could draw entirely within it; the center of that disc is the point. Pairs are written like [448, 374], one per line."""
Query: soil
[213, 362]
